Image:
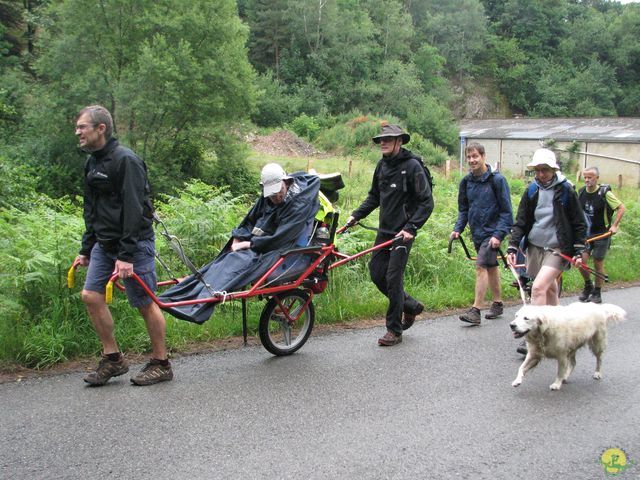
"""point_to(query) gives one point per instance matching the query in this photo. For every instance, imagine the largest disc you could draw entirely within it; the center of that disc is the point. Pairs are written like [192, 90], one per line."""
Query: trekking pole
[600, 237]
[468, 254]
[464, 247]
[582, 266]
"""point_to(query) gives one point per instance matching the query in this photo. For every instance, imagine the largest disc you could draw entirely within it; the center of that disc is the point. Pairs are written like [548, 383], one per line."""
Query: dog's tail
[613, 313]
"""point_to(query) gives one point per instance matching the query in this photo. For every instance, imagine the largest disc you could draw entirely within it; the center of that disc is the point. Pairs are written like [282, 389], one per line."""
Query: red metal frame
[258, 288]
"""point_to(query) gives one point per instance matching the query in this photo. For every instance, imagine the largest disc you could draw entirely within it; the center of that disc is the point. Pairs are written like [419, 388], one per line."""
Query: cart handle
[599, 237]
[71, 273]
[582, 266]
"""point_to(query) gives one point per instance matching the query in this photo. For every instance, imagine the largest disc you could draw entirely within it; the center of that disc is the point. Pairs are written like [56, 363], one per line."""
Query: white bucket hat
[271, 179]
[543, 156]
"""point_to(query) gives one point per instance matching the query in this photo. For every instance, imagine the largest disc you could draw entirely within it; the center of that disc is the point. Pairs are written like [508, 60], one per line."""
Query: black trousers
[387, 273]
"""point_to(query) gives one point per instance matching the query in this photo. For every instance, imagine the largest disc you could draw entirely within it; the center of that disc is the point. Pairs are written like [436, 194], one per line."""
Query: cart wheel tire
[277, 334]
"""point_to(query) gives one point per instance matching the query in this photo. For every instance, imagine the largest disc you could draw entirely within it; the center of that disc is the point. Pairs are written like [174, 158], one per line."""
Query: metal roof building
[610, 143]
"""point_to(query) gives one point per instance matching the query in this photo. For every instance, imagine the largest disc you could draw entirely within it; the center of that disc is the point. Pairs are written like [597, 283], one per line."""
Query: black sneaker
[107, 369]
[522, 348]
[586, 292]
[153, 372]
[409, 318]
[595, 296]
[472, 316]
[497, 309]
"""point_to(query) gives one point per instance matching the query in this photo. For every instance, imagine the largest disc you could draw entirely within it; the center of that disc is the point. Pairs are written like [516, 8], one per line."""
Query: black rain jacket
[401, 190]
[117, 201]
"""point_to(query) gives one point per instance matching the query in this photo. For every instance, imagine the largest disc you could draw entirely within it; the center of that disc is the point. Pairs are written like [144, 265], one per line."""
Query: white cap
[271, 179]
[543, 156]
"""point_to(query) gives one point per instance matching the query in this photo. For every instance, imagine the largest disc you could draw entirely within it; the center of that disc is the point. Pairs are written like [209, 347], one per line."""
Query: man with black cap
[401, 189]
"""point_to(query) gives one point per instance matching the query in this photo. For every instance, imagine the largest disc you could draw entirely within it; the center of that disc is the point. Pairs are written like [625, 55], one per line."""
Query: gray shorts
[102, 264]
[598, 249]
[537, 257]
[487, 257]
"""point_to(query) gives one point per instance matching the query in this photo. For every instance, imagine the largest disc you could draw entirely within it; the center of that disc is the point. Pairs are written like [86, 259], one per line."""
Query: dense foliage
[174, 74]
[42, 322]
[183, 78]
[187, 80]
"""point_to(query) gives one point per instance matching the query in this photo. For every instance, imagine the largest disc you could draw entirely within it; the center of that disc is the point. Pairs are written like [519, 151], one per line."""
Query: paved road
[438, 406]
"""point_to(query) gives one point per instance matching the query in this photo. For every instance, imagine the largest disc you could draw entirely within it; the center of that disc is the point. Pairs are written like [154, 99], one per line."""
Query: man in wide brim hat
[391, 130]
[401, 190]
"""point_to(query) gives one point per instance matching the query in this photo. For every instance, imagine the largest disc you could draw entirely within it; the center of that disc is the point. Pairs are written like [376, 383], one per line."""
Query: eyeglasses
[82, 127]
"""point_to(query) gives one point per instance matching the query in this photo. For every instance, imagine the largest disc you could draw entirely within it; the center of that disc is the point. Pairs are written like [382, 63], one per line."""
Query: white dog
[559, 331]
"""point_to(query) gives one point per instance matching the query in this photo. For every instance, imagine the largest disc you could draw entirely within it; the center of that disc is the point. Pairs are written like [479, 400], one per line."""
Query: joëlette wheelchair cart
[288, 317]
[522, 282]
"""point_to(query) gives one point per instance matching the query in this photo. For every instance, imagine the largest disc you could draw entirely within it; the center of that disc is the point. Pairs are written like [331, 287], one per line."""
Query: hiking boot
[390, 339]
[497, 309]
[522, 348]
[586, 292]
[153, 372]
[409, 318]
[595, 296]
[472, 316]
[107, 369]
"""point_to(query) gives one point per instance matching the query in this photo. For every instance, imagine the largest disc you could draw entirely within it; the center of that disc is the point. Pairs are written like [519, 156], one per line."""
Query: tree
[569, 91]
[164, 68]
[457, 28]
[538, 25]
[588, 34]
[394, 29]
[625, 30]
[269, 33]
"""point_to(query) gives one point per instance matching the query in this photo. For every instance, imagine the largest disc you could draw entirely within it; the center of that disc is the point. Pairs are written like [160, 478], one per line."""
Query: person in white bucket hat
[541, 157]
[549, 218]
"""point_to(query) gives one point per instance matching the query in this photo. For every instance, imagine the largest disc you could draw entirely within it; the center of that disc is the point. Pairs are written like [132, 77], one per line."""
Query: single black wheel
[286, 322]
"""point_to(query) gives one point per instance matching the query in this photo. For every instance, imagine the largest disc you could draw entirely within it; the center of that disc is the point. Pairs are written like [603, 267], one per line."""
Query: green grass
[43, 323]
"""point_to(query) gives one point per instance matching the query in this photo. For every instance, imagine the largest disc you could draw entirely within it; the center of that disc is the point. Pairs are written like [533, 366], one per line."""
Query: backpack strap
[532, 189]
[602, 191]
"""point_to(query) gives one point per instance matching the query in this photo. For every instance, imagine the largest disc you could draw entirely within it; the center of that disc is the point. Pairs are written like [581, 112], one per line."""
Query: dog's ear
[541, 320]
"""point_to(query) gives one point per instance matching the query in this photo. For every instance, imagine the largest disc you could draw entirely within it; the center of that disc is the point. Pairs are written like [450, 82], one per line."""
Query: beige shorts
[538, 257]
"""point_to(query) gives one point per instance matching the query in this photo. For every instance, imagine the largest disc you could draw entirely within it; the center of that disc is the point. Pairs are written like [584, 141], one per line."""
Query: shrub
[305, 126]
[431, 154]
[273, 107]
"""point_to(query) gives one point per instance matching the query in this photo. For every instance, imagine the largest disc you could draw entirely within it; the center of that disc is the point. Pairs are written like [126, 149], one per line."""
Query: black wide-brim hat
[392, 131]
